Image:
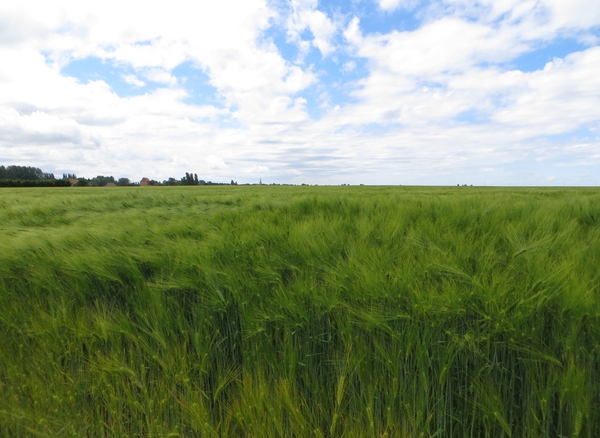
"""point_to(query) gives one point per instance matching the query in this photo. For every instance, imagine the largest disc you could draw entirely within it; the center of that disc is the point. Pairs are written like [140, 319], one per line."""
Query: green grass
[299, 312]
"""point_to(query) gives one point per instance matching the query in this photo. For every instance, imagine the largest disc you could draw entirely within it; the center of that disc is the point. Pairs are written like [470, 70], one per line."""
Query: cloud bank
[372, 91]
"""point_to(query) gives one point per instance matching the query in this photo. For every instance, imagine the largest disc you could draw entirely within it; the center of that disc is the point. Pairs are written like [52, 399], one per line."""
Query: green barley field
[266, 311]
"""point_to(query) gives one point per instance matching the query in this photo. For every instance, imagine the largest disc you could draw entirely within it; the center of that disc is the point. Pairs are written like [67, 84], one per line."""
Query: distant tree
[195, 178]
[123, 182]
[101, 181]
[201, 182]
[170, 182]
[34, 183]
[82, 182]
[24, 173]
[189, 179]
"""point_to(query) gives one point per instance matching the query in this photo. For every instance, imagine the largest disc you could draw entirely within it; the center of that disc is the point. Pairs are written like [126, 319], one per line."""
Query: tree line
[190, 179]
[24, 173]
[25, 176]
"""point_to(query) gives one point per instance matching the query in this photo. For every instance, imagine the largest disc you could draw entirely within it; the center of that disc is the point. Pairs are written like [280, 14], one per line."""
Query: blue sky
[303, 91]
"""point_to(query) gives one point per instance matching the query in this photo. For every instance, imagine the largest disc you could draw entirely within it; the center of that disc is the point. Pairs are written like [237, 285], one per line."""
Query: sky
[490, 92]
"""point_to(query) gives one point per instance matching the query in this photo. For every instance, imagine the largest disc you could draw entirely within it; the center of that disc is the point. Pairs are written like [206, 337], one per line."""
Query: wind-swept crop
[298, 312]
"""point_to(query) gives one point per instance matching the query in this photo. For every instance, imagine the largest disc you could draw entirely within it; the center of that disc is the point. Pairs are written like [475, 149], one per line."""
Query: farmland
[300, 311]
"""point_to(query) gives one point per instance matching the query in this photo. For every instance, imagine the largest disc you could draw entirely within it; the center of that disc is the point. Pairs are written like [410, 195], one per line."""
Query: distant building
[145, 182]
[111, 184]
[72, 181]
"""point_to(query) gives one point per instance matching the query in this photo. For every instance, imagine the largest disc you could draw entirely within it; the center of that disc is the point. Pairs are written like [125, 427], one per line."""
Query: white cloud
[256, 169]
[159, 75]
[221, 39]
[215, 162]
[559, 98]
[305, 15]
[156, 53]
[390, 5]
[446, 45]
[133, 80]
[433, 74]
[42, 129]
[435, 102]
[349, 67]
